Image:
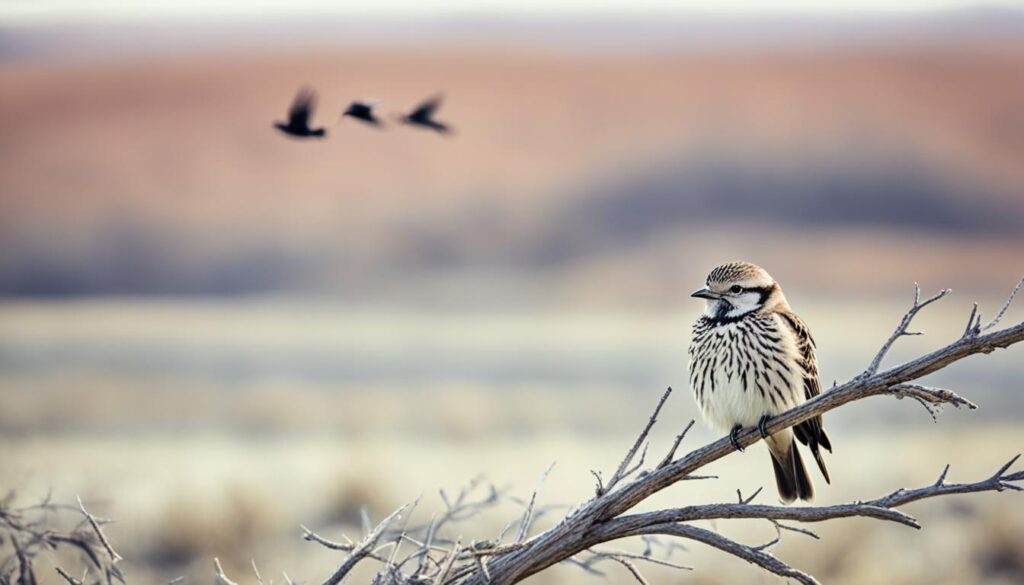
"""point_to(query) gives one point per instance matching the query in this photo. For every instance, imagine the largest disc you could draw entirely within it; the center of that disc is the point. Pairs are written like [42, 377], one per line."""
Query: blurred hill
[572, 177]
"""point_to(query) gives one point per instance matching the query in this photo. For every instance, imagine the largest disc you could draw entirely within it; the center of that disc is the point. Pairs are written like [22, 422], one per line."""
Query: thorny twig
[524, 525]
[34, 529]
[901, 329]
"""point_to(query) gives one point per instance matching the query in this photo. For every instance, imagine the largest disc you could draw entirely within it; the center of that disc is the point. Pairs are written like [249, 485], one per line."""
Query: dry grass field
[180, 500]
[217, 428]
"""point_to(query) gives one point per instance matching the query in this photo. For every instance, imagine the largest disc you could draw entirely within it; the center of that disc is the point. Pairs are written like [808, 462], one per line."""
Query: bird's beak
[706, 294]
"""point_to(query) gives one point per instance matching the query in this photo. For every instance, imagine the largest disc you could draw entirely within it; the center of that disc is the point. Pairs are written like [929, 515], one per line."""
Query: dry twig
[605, 518]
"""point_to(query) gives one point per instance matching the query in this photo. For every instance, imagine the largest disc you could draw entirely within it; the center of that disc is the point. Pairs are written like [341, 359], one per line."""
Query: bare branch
[364, 549]
[901, 329]
[446, 568]
[780, 526]
[1002, 311]
[26, 573]
[624, 470]
[68, 578]
[647, 558]
[973, 322]
[114, 557]
[739, 496]
[524, 525]
[631, 568]
[309, 535]
[38, 528]
[601, 519]
[599, 490]
[220, 578]
[256, 571]
[932, 399]
[747, 553]
[625, 525]
[675, 445]
[883, 508]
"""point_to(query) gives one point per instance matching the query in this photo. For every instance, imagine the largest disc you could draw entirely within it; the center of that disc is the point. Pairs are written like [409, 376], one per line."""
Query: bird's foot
[762, 426]
[734, 438]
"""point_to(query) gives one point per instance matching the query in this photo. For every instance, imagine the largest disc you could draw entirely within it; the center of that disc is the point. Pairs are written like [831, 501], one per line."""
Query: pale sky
[79, 11]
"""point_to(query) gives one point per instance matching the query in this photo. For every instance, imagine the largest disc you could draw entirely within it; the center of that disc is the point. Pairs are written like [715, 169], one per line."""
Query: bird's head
[737, 289]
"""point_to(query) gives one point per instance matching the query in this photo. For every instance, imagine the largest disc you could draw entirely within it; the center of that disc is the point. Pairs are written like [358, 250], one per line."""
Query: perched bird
[752, 358]
[423, 116]
[362, 111]
[298, 116]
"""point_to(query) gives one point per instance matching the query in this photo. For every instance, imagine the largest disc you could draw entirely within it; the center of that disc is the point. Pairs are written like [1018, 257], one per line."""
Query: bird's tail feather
[814, 437]
[821, 463]
[791, 475]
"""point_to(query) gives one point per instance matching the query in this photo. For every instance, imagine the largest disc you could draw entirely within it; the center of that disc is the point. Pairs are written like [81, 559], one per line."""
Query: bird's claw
[762, 426]
[734, 438]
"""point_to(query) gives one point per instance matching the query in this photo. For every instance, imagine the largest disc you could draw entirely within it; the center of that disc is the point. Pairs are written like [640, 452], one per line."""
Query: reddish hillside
[176, 160]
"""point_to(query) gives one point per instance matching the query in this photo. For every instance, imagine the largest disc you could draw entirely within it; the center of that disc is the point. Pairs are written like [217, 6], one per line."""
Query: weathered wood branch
[605, 518]
[577, 532]
[882, 508]
[751, 554]
[363, 549]
[34, 532]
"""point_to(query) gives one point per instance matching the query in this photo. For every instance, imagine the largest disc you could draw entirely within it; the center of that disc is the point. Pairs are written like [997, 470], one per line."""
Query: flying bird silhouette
[363, 111]
[423, 116]
[298, 116]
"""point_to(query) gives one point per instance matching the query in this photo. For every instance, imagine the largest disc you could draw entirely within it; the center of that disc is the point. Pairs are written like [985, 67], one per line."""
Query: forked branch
[604, 518]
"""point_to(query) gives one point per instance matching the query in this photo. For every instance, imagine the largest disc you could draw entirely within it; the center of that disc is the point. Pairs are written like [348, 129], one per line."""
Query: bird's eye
[735, 289]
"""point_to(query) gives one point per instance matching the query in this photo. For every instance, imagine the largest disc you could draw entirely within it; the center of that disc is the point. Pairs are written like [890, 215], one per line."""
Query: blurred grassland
[216, 427]
[180, 500]
[275, 367]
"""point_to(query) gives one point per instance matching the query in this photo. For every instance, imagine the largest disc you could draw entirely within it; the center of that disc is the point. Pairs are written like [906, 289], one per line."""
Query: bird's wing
[426, 110]
[805, 345]
[812, 385]
[302, 107]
